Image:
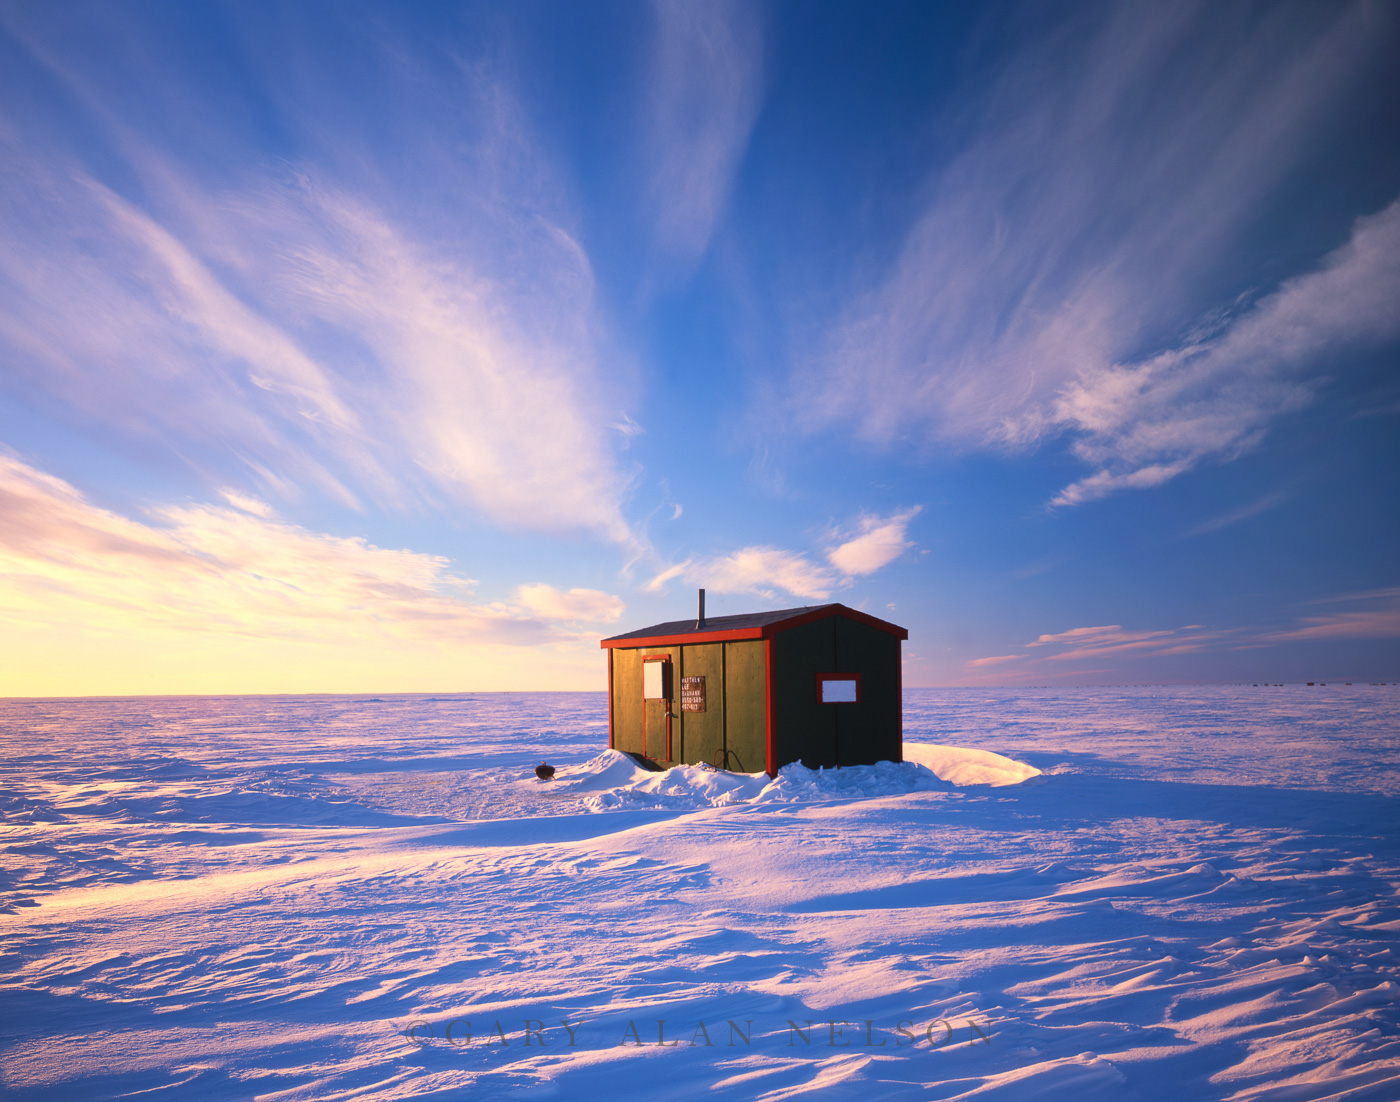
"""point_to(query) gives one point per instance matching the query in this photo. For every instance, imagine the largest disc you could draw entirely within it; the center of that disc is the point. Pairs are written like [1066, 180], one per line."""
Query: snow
[1174, 894]
[616, 781]
[962, 766]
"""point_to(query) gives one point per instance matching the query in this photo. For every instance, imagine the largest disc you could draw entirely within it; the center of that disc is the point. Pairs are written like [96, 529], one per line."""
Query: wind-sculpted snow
[615, 781]
[1197, 897]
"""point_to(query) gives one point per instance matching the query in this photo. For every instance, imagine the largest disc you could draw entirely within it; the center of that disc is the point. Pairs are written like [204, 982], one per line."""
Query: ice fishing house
[820, 685]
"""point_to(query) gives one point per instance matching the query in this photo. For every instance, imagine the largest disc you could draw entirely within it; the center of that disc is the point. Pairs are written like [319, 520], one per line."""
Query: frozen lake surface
[1197, 897]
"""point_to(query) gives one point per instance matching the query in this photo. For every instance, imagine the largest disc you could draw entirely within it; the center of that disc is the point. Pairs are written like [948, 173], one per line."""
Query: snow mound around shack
[961, 766]
[613, 781]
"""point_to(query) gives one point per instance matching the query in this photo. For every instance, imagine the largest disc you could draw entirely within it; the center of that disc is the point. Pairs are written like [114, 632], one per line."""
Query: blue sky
[414, 347]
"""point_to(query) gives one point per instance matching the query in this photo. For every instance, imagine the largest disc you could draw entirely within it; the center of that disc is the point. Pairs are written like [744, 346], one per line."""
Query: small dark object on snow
[544, 772]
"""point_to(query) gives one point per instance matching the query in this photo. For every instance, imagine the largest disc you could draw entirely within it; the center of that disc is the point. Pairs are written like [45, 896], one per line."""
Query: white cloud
[704, 91]
[762, 570]
[218, 571]
[1105, 483]
[880, 542]
[759, 570]
[246, 503]
[1118, 161]
[591, 606]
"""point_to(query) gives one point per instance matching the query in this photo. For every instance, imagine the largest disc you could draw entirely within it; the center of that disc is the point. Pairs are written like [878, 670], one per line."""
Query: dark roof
[751, 625]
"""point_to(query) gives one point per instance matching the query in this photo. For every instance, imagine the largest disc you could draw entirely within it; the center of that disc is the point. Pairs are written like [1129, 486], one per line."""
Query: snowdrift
[613, 781]
[961, 766]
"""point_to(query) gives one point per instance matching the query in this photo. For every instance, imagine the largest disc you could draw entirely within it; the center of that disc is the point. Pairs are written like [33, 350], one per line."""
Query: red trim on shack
[770, 737]
[675, 640]
[757, 631]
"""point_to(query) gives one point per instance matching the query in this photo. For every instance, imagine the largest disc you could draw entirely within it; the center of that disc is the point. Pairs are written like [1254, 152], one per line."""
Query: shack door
[656, 707]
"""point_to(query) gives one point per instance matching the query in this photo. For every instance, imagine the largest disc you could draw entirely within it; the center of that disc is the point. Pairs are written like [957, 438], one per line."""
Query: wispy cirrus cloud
[1118, 158]
[993, 660]
[114, 320]
[1061, 656]
[492, 390]
[704, 92]
[312, 329]
[1147, 422]
[1092, 642]
[1236, 516]
[1373, 614]
[1377, 618]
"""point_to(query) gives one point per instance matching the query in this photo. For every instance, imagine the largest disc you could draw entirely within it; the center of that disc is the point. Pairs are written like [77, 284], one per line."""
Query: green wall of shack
[735, 712]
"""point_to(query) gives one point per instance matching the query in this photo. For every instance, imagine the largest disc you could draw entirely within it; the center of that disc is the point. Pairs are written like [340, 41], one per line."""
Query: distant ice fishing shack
[821, 685]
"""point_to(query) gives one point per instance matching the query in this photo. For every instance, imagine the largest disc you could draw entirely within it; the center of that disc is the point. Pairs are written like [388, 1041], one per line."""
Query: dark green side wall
[869, 731]
[803, 730]
[819, 734]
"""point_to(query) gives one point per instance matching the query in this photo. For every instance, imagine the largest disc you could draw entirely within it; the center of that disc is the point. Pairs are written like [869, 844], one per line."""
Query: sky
[415, 347]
